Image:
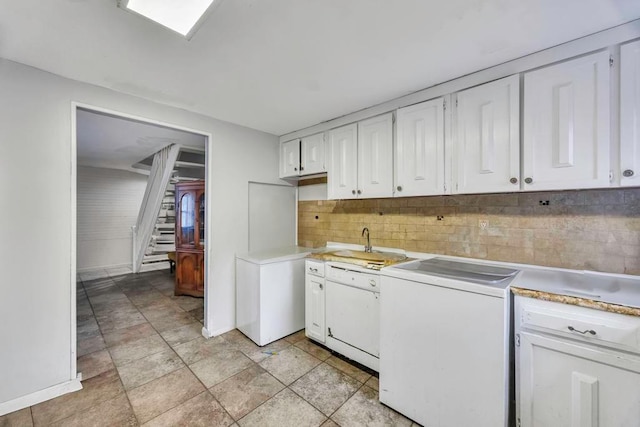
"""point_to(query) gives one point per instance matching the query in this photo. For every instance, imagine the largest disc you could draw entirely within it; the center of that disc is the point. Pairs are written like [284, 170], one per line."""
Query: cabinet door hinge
[517, 340]
[610, 176]
[456, 102]
[519, 424]
[611, 61]
[444, 105]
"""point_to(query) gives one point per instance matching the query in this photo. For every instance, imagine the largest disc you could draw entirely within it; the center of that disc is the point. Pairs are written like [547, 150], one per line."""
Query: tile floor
[144, 362]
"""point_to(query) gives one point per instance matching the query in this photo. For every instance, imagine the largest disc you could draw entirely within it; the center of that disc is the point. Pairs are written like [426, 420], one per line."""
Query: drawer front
[315, 268]
[354, 278]
[585, 324]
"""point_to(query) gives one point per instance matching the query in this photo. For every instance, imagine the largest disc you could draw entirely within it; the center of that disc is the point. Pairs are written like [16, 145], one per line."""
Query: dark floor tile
[127, 335]
[94, 364]
[89, 345]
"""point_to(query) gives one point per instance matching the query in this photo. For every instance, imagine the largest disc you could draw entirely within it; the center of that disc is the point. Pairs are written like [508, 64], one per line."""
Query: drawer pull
[315, 270]
[587, 331]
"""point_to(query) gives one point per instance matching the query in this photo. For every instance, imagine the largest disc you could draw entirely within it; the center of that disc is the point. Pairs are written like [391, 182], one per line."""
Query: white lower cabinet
[566, 125]
[315, 301]
[563, 384]
[575, 367]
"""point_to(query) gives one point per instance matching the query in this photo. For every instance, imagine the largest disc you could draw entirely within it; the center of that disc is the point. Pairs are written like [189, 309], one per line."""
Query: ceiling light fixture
[181, 16]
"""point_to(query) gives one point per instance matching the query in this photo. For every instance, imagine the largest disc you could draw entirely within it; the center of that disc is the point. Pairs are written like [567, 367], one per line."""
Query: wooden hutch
[190, 238]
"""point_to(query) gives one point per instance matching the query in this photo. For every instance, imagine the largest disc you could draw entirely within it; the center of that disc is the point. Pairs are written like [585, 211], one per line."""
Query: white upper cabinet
[566, 125]
[312, 155]
[630, 114]
[342, 170]
[290, 158]
[486, 148]
[302, 157]
[375, 157]
[419, 149]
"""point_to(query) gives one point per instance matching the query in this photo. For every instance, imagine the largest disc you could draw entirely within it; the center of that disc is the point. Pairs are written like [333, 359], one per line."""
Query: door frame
[74, 194]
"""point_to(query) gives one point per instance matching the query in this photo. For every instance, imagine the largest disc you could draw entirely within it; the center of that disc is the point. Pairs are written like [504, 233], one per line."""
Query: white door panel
[290, 158]
[314, 308]
[312, 154]
[342, 175]
[487, 145]
[419, 150]
[566, 125]
[375, 157]
[630, 114]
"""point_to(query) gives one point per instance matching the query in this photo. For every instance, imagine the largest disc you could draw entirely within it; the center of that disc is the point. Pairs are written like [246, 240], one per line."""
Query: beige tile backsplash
[585, 229]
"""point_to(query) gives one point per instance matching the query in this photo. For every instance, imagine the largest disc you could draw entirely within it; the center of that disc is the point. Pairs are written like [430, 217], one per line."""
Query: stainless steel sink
[465, 271]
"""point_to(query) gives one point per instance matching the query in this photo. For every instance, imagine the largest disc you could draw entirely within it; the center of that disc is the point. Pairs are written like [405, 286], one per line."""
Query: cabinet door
[486, 149]
[312, 150]
[375, 157]
[188, 272]
[200, 218]
[564, 384]
[314, 308]
[186, 219]
[342, 170]
[200, 273]
[419, 150]
[566, 125]
[290, 158]
[630, 114]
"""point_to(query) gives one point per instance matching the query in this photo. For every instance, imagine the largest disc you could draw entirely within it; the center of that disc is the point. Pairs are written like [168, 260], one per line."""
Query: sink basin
[373, 257]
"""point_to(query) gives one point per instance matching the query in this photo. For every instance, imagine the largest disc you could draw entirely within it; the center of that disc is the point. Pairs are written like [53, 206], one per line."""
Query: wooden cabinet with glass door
[190, 238]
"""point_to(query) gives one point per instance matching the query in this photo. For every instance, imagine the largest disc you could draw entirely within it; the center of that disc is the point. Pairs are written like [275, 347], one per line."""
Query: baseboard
[210, 334]
[40, 396]
[106, 267]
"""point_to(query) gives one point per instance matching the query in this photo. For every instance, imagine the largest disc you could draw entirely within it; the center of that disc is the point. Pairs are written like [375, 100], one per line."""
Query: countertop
[269, 256]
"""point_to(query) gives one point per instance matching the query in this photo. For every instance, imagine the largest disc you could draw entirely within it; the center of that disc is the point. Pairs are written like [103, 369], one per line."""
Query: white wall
[35, 218]
[108, 203]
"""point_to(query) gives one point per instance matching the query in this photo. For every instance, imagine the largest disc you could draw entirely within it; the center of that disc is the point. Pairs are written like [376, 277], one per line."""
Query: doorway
[123, 160]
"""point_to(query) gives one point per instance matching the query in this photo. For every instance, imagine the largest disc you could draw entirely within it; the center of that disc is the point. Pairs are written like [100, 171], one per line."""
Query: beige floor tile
[113, 412]
[98, 389]
[202, 410]
[127, 335]
[364, 408]
[348, 369]
[330, 423]
[171, 321]
[245, 391]
[220, 366]
[134, 350]
[201, 348]
[89, 345]
[326, 388]
[257, 353]
[182, 334]
[295, 337]
[21, 418]
[160, 395]
[87, 328]
[283, 410]
[94, 364]
[373, 382]
[149, 368]
[188, 303]
[120, 318]
[313, 349]
[289, 364]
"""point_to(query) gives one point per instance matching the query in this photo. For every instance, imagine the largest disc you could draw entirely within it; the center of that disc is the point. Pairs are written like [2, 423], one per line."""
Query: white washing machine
[445, 342]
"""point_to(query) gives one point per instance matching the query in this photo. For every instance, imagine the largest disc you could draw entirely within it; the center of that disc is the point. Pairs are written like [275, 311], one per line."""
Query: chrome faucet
[367, 247]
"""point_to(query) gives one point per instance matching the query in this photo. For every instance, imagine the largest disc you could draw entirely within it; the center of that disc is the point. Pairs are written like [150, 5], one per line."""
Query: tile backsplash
[583, 229]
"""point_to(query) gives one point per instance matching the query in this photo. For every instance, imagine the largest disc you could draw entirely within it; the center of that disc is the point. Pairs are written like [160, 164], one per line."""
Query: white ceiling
[282, 65]
[114, 142]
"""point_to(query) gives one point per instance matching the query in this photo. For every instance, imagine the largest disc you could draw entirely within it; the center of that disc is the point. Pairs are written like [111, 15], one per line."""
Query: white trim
[106, 267]
[73, 369]
[208, 196]
[209, 334]
[40, 396]
[574, 48]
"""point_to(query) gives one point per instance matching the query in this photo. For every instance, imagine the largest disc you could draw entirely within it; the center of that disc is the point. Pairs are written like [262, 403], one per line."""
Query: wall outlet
[484, 224]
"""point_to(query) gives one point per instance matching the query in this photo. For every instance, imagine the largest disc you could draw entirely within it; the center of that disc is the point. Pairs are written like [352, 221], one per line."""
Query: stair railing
[159, 176]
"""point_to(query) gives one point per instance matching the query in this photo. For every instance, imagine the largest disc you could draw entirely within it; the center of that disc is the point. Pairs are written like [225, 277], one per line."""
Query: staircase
[163, 236]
